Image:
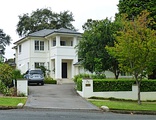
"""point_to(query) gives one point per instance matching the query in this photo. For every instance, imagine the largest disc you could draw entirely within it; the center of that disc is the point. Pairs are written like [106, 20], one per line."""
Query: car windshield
[36, 72]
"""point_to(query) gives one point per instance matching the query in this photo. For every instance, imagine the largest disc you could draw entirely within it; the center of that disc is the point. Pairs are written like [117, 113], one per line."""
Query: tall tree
[91, 49]
[135, 48]
[43, 19]
[134, 7]
[4, 40]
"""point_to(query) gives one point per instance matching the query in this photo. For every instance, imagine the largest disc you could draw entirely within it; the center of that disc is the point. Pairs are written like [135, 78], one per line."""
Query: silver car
[35, 76]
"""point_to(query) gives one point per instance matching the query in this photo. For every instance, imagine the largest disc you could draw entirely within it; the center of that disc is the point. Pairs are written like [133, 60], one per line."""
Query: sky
[81, 9]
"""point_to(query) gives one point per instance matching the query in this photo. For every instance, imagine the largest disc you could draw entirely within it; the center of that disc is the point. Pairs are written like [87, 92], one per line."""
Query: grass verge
[11, 101]
[125, 105]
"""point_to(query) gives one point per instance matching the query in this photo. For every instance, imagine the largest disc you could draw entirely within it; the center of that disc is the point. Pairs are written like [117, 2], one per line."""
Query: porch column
[58, 68]
[72, 69]
[57, 40]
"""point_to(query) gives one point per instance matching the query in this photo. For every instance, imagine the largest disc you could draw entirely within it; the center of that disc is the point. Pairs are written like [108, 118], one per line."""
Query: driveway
[57, 97]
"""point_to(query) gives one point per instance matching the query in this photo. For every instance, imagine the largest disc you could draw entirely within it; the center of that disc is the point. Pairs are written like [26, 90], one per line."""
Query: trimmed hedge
[112, 85]
[90, 76]
[50, 81]
[148, 86]
[79, 84]
[103, 85]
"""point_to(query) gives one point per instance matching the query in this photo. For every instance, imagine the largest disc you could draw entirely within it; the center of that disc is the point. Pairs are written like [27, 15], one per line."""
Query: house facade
[52, 48]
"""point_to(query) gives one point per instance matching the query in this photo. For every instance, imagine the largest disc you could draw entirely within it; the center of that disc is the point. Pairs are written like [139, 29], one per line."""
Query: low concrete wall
[22, 87]
[87, 91]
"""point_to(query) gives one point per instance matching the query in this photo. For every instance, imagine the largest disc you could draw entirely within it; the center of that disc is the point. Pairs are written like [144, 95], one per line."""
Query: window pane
[20, 47]
[41, 45]
[54, 42]
[37, 65]
[41, 64]
[36, 45]
[62, 43]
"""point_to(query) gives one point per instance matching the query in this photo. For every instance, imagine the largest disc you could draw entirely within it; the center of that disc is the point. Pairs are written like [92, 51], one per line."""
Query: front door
[64, 70]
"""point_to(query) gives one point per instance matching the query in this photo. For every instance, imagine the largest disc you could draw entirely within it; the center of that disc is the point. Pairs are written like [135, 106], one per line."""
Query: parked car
[35, 76]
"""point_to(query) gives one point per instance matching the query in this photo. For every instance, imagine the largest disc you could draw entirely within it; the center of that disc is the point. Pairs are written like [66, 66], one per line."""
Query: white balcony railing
[63, 51]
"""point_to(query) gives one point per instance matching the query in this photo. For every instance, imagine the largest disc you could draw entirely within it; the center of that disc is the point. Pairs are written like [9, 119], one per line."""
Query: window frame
[39, 64]
[39, 45]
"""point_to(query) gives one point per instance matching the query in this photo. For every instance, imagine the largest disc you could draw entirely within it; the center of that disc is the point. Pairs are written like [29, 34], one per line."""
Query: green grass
[11, 102]
[125, 105]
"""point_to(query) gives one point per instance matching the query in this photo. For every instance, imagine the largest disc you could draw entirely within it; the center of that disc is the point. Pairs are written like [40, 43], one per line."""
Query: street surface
[51, 114]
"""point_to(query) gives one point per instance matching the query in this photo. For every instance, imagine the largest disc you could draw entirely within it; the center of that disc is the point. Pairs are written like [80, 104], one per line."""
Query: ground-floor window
[38, 64]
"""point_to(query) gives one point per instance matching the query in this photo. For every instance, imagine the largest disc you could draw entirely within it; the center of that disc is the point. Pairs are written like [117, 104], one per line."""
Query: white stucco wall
[22, 87]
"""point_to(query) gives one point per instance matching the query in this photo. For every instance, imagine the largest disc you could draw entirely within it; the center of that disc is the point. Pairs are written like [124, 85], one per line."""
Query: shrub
[98, 76]
[49, 80]
[76, 77]
[148, 86]
[79, 84]
[122, 85]
[2, 87]
[112, 85]
[17, 74]
[6, 74]
[102, 85]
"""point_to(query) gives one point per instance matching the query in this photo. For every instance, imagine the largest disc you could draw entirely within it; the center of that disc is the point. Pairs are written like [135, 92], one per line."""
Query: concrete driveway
[57, 97]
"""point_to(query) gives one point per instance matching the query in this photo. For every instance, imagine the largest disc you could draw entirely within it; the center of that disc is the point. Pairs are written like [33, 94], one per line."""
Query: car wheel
[42, 83]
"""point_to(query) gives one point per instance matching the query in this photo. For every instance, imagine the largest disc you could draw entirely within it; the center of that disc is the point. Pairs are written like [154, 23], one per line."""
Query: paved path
[57, 97]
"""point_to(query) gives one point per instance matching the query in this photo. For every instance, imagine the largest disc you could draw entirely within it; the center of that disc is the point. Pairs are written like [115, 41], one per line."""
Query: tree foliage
[4, 40]
[135, 47]
[44, 19]
[6, 74]
[134, 7]
[91, 49]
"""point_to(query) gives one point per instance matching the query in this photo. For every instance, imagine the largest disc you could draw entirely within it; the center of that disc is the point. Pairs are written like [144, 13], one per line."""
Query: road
[51, 114]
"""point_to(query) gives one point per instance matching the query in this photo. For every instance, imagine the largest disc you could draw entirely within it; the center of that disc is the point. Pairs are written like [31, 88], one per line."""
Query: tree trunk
[116, 73]
[139, 97]
[138, 84]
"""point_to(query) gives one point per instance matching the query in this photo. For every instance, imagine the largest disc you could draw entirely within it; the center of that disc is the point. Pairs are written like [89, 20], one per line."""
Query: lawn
[11, 101]
[125, 105]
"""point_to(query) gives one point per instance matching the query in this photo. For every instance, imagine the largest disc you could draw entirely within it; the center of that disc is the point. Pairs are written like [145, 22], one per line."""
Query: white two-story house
[52, 48]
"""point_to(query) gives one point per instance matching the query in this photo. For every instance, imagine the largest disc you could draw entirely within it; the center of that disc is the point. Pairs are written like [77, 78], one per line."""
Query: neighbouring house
[54, 49]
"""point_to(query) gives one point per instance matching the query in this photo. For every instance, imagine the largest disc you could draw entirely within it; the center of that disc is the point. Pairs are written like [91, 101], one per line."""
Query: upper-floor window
[54, 42]
[63, 43]
[20, 48]
[39, 45]
[71, 43]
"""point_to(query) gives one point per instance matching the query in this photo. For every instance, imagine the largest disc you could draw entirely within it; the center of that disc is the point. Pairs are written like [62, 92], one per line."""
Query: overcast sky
[81, 9]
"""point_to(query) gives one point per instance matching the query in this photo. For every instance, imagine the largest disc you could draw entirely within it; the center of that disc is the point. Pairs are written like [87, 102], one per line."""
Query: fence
[87, 91]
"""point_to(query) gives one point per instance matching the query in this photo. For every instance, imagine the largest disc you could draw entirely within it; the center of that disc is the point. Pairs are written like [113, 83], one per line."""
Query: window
[54, 42]
[38, 64]
[63, 43]
[48, 44]
[39, 45]
[71, 43]
[20, 48]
